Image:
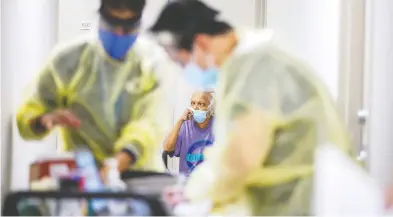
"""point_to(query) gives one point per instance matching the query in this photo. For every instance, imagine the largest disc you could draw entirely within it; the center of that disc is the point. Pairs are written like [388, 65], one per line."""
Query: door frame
[353, 86]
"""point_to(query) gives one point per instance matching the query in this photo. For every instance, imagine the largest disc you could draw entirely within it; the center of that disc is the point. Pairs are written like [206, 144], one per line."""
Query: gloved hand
[174, 195]
[63, 117]
[124, 161]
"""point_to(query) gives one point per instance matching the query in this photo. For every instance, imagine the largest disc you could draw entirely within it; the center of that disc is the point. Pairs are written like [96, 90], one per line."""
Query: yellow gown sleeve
[42, 99]
[144, 133]
[151, 115]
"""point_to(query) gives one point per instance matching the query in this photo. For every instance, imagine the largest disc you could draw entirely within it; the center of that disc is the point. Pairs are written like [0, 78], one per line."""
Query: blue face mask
[116, 46]
[196, 76]
[199, 116]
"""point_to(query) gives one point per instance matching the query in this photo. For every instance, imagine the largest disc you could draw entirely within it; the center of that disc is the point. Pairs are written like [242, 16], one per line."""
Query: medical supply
[51, 166]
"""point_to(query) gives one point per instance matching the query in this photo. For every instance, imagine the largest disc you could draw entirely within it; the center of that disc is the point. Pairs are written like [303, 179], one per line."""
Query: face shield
[199, 69]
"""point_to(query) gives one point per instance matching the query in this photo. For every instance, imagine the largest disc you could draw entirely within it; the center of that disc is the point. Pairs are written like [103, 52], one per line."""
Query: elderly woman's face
[200, 101]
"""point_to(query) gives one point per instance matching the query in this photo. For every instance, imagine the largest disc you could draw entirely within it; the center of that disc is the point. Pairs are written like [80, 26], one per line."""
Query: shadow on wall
[6, 155]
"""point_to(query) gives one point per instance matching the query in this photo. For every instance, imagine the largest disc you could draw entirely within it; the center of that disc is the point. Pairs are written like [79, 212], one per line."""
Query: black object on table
[12, 201]
[148, 183]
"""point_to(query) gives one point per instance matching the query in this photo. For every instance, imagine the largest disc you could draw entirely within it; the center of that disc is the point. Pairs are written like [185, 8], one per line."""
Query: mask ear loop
[210, 61]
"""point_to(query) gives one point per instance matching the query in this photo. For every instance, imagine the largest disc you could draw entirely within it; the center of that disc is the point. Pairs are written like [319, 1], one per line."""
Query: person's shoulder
[250, 40]
[73, 48]
[154, 58]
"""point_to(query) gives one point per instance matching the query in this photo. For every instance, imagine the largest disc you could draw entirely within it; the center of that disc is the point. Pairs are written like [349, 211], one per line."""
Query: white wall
[239, 13]
[311, 29]
[380, 65]
[29, 29]
[72, 13]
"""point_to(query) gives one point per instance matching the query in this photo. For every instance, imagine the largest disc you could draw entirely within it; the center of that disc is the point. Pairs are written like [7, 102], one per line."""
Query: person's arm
[143, 133]
[43, 99]
[142, 138]
[171, 140]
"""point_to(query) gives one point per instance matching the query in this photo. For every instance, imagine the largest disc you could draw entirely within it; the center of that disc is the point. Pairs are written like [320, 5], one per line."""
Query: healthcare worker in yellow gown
[272, 112]
[104, 92]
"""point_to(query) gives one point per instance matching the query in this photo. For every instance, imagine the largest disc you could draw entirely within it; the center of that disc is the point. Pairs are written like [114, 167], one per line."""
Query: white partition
[380, 65]
[311, 29]
[29, 29]
[73, 14]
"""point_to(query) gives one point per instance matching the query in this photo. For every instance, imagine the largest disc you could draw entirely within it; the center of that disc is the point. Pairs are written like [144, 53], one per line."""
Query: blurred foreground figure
[104, 92]
[272, 112]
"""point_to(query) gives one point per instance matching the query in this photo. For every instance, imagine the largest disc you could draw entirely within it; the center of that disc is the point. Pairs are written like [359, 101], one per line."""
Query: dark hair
[135, 6]
[186, 18]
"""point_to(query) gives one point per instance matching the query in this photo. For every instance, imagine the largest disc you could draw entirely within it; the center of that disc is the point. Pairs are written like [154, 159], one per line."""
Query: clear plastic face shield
[199, 69]
[121, 28]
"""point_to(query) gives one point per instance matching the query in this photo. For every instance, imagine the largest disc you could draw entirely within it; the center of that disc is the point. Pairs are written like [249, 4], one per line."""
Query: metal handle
[362, 116]
[362, 156]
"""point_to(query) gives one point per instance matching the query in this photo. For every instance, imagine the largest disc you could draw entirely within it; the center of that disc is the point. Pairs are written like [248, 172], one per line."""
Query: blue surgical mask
[196, 76]
[116, 46]
[199, 116]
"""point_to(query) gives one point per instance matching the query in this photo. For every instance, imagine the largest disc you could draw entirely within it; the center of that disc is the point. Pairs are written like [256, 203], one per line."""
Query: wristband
[37, 125]
[132, 152]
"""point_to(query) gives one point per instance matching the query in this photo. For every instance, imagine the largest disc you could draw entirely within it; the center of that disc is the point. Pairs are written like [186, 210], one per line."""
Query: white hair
[212, 99]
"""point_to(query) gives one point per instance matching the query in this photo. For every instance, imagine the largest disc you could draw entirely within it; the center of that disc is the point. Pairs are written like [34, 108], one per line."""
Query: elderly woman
[192, 133]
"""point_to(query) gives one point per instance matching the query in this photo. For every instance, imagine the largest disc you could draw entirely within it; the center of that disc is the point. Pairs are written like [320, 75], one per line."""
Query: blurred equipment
[93, 183]
[165, 159]
[54, 166]
[73, 204]
[344, 188]
[148, 183]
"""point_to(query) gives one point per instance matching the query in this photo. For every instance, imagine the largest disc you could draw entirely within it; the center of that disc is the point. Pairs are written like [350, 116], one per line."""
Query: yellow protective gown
[272, 112]
[119, 103]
